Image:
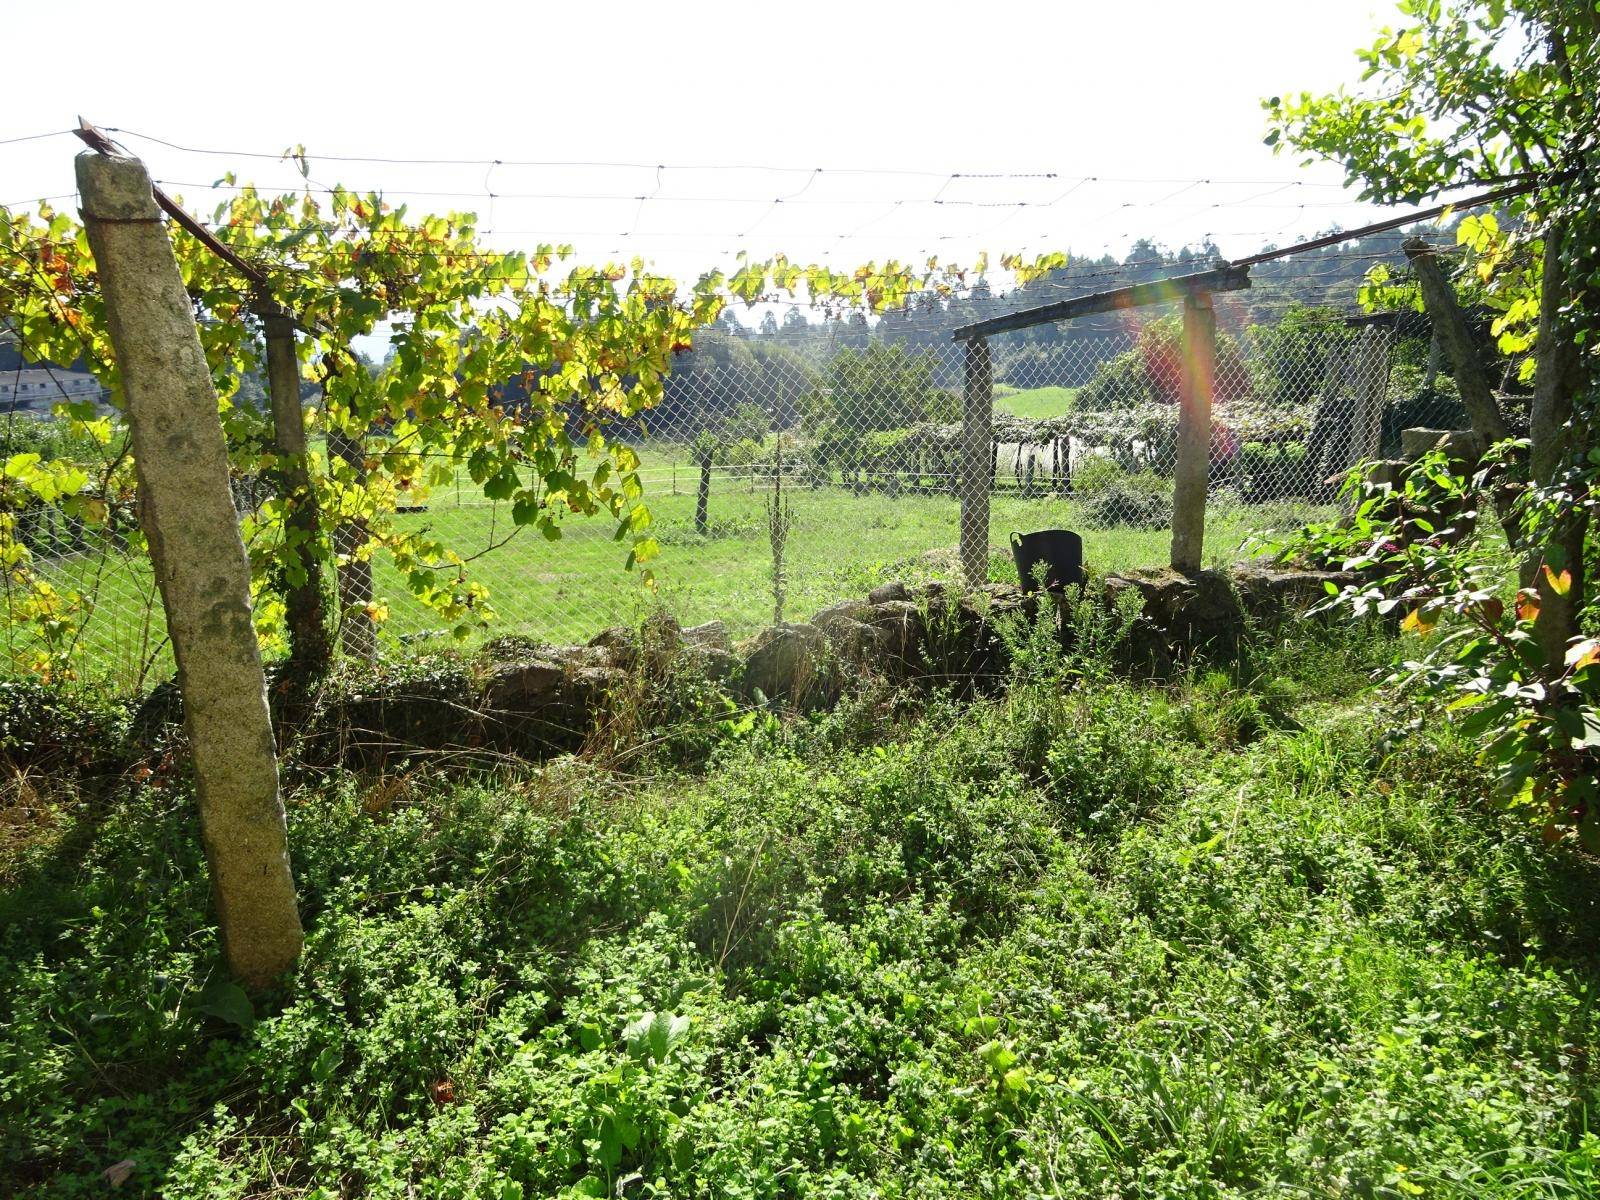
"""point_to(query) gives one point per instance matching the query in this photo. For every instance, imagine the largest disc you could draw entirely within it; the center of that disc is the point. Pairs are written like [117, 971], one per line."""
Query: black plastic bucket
[1060, 550]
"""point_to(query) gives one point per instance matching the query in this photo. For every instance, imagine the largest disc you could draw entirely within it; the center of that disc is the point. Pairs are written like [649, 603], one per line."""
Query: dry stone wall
[529, 700]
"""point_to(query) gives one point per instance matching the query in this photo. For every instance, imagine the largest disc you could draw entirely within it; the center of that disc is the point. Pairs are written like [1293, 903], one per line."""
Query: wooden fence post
[309, 648]
[187, 511]
[977, 462]
[1451, 328]
[1322, 456]
[705, 451]
[1191, 473]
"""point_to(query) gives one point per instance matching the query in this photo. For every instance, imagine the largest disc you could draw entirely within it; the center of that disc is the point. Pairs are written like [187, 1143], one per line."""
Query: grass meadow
[1034, 403]
[842, 543]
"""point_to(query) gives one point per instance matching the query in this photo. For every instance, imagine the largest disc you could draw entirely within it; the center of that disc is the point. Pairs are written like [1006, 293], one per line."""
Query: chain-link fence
[786, 472]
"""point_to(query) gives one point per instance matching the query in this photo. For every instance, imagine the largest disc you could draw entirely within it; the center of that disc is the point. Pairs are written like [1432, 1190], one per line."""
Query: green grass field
[841, 545]
[1035, 403]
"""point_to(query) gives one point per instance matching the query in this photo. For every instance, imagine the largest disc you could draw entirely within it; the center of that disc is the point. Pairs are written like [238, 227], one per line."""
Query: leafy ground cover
[1224, 938]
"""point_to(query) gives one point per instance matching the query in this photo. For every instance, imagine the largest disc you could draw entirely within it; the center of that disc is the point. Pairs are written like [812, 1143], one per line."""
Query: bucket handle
[1016, 539]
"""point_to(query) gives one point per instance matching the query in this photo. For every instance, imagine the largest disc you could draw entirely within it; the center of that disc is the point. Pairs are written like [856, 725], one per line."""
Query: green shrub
[50, 438]
[1089, 938]
[58, 726]
[1113, 497]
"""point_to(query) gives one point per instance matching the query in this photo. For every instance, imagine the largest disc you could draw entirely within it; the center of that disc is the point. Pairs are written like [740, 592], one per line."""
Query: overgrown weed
[1087, 937]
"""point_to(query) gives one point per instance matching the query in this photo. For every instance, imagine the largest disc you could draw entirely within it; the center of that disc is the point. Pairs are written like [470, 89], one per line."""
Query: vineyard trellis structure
[1088, 442]
[1197, 353]
[810, 477]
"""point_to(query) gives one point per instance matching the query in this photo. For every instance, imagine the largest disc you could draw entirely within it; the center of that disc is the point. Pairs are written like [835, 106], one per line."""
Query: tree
[1292, 352]
[1450, 107]
[1151, 372]
[748, 422]
[720, 373]
[1468, 92]
[879, 388]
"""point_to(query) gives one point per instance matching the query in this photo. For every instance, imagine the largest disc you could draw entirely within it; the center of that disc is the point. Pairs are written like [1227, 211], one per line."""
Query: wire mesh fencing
[785, 479]
[1087, 430]
[787, 473]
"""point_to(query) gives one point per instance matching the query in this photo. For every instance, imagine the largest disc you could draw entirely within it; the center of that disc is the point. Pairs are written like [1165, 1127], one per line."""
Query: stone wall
[529, 700]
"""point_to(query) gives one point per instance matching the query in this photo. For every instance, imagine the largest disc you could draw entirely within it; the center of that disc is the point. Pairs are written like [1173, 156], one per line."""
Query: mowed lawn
[1035, 403]
[841, 545]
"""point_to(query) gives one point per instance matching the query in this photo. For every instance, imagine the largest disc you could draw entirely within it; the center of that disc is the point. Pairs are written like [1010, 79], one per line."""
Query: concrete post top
[115, 188]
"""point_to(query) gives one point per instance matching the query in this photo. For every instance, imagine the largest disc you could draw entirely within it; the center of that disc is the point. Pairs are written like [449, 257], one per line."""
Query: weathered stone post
[977, 462]
[1451, 328]
[1191, 473]
[187, 512]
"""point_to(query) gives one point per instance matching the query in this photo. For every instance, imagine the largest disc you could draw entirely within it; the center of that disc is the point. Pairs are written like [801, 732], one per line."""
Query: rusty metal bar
[96, 140]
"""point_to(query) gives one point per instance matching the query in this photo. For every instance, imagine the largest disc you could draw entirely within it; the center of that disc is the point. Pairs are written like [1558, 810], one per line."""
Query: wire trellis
[850, 435]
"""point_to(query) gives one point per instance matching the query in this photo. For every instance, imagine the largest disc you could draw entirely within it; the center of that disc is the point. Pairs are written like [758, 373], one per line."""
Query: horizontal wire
[641, 244]
[1171, 258]
[637, 240]
[1264, 295]
[34, 137]
[821, 202]
[655, 166]
[38, 200]
[1202, 245]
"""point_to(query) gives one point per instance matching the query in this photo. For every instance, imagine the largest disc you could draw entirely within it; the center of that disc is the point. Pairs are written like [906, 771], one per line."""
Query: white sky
[1147, 96]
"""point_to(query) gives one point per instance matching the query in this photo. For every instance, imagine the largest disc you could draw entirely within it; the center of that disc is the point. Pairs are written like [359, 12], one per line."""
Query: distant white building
[36, 390]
